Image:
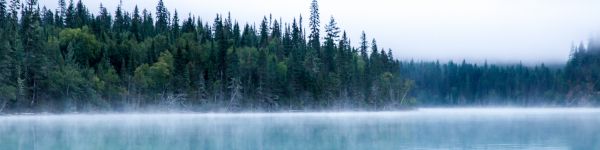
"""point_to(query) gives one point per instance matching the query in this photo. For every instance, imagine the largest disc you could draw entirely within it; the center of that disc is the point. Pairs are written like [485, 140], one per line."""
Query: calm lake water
[484, 128]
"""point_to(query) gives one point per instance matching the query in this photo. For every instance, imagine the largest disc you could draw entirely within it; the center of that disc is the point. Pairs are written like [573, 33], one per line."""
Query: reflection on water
[484, 128]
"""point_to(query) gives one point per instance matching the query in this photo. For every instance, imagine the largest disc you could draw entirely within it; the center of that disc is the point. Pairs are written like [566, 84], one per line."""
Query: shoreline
[507, 110]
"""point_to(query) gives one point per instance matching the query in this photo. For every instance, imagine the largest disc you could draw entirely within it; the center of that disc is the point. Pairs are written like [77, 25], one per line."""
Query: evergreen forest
[68, 59]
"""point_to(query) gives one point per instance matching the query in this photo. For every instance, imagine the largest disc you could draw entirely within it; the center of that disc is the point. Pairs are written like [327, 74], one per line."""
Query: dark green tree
[330, 46]
[315, 25]
[162, 17]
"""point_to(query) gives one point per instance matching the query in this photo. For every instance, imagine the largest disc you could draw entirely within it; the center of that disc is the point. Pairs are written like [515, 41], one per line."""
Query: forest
[68, 59]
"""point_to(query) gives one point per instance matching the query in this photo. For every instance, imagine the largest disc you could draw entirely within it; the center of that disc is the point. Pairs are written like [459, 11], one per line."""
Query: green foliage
[7, 94]
[67, 85]
[582, 74]
[84, 45]
[69, 60]
[156, 77]
[475, 84]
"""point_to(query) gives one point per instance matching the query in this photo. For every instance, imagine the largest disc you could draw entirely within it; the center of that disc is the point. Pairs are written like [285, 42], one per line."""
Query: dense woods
[575, 84]
[72, 60]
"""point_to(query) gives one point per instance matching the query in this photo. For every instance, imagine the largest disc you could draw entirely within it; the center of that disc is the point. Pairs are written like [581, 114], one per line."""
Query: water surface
[473, 128]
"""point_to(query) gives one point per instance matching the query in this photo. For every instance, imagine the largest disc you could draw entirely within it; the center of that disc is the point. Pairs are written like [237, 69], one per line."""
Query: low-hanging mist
[460, 128]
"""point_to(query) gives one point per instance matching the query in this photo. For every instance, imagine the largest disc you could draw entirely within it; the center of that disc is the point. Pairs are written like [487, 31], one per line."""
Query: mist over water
[389, 57]
[439, 128]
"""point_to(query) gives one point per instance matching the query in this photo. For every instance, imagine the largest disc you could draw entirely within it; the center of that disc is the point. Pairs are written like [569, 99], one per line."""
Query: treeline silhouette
[575, 84]
[72, 60]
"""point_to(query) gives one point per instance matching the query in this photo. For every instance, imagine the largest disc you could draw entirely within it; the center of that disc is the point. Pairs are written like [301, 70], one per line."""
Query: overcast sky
[531, 31]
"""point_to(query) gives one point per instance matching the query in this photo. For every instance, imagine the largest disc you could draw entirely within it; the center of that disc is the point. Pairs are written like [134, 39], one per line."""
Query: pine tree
[147, 24]
[364, 46]
[175, 28]
[162, 17]
[264, 33]
[332, 30]
[62, 13]
[104, 20]
[35, 59]
[119, 24]
[276, 30]
[8, 92]
[47, 17]
[246, 39]
[236, 34]
[136, 24]
[70, 16]
[315, 25]
[223, 45]
[13, 17]
[330, 49]
[82, 14]
[189, 25]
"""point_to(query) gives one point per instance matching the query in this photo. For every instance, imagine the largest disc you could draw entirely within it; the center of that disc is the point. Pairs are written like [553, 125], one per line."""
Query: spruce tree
[62, 13]
[364, 46]
[136, 24]
[70, 16]
[82, 14]
[264, 32]
[162, 17]
[276, 30]
[175, 28]
[104, 20]
[315, 25]
[147, 24]
[119, 24]
[330, 49]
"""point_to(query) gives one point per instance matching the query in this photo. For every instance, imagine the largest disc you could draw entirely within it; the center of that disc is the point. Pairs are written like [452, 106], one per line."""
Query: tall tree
[34, 60]
[104, 20]
[364, 46]
[62, 13]
[47, 17]
[15, 6]
[8, 90]
[82, 14]
[175, 28]
[276, 30]
[147, 24]
[136, 24]
[162, 17]
[315, 25]
[70, 15]
[330, 49]
[264, 32]
[119, 24]
[223, 45]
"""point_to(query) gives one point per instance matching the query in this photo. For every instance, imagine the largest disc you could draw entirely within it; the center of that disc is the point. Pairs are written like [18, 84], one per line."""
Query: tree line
[72, 60]
[575, 84]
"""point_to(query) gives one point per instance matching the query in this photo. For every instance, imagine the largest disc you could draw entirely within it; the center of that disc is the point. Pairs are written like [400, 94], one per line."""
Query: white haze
[507, 31]
[429, 128]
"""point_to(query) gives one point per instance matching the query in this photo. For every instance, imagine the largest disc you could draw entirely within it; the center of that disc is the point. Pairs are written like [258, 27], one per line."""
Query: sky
[506, 31]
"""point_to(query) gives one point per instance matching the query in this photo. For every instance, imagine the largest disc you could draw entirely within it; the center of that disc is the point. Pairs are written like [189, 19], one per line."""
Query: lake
[422, 129]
